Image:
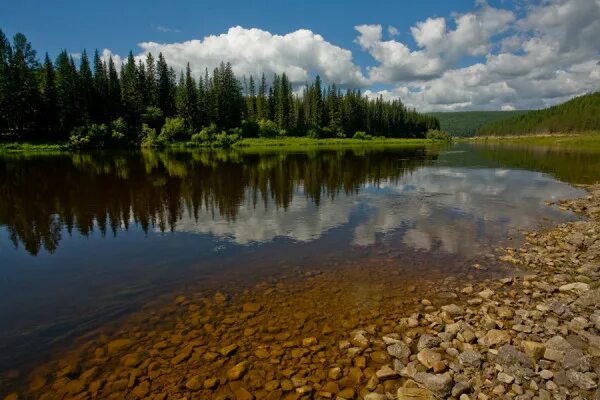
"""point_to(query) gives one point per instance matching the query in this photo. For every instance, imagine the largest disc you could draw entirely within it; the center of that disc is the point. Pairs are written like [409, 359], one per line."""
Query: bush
[99, 136]
[269, 129]
[434, 134]
[174, 129]
[206, 135]
[150, 138]
[225, 139]
[361, 135]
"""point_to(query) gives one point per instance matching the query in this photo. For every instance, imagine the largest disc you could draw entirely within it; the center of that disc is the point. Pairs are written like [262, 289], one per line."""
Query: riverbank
[580, 140]
[343, 333]
[289, 143]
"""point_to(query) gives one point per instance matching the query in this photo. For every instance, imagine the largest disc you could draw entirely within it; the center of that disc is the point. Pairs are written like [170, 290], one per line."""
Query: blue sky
[450, 54]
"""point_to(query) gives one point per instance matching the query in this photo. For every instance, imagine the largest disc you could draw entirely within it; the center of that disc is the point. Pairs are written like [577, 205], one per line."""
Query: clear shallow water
[87, 238]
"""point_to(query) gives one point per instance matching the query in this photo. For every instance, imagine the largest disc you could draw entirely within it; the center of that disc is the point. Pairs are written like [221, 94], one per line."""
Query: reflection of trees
[41, 196]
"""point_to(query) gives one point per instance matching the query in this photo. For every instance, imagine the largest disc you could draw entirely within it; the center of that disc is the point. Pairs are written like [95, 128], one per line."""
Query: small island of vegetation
[144, 103]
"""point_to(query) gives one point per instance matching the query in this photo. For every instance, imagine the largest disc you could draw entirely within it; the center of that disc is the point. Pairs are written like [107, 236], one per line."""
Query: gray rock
[470, 358]
[583, 380]
[399, 350]
[461, 388]
[428, 342]
[440, 384]
[452, 310]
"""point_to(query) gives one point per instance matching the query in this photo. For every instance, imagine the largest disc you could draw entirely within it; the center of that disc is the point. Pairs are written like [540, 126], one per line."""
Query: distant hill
[580, 114]
[467, 123]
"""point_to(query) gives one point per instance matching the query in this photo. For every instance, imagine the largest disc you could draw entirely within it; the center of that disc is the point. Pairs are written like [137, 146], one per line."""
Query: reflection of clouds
[302, 220]
[450, 209]
[457, 207]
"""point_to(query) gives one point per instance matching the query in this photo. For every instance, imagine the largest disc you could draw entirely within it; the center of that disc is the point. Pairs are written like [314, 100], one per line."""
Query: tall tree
[165, 87]
[67, 94]
[114, 91]
[100, 98]
[48, 116]
[5, 57]
[86, 86]
[262, 108]
[133, 102]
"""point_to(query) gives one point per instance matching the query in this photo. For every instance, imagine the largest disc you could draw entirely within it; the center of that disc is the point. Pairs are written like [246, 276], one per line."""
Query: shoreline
[534, 334]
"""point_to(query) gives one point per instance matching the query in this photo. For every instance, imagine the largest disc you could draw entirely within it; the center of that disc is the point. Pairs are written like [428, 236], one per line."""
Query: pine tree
[48, 116]
[5, 56]
[67, 94]
[151, 89]
[165, 87]
[133, 103]
[262, 111]
[86, 84]
[114, 101]
[251, 100]
[98, 108]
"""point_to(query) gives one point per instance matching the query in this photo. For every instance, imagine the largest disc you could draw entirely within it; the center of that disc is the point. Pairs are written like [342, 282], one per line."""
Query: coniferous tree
[114, 91]
[133, 102]
[165, 87]
[100, 98]
[262, 111]
[48, 116]
[86, 85]
[67, 94]
[151, 89]
[5, 56]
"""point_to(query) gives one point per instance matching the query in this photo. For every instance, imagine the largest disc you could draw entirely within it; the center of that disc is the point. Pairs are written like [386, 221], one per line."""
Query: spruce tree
[114, 100]
[48, 116]
[133, 103]
[100, 98]
[86, 85]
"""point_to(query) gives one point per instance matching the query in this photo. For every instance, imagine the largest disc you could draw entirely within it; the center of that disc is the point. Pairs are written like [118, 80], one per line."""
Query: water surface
[86, 239]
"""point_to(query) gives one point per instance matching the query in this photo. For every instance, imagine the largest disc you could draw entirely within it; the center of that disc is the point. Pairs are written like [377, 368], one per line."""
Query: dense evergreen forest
[97, 104]
[580, 114]
[468, 123]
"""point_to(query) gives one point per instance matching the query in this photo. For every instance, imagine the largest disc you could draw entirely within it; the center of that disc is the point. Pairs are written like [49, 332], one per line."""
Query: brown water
[91, 244]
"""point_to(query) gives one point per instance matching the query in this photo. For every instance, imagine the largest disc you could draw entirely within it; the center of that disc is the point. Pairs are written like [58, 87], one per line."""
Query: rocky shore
[532, 335]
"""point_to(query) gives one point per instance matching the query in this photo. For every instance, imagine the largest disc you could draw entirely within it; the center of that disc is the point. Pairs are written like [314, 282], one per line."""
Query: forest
[96, 104]
[581, 114]
[468, 123]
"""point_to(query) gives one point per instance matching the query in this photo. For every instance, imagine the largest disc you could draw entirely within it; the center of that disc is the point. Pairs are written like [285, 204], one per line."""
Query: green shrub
[153, 117]
[361, 135]
[174, 129]
[269, 129]
[99, 136]
[150, 138]
[206, 135]
[225, 139]
[434, 134]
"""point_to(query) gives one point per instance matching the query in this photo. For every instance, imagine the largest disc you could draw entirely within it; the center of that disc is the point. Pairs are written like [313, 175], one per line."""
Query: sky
[435, 55]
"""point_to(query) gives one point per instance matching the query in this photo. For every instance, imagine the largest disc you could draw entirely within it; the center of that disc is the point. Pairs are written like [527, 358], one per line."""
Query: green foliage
[206, 135]
[150, 138]
[250, 129]
[467, 123]
[98, 136]
[210, 136]
[174, 129]
[435, 134]
[580, 114]
[269, 129]
[153, 117]
[362, 135]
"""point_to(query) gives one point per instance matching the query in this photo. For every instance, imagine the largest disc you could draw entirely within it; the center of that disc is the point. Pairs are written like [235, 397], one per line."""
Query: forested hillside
[99, 104]
[467, 123]
[580, 114]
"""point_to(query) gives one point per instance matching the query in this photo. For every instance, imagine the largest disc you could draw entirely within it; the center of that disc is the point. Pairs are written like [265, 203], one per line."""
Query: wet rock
[452, 310]
[334, 373]
[414, 394]
[251, 308]
[237, 371]
[240, 392]
[386, 372]
[118, 345]
[211, 383]
[141, 390]
[359, 340]
[227, 350]
[194, 383]
[380, 357]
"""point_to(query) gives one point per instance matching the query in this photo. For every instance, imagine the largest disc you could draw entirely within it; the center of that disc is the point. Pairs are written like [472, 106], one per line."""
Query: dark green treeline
[47, 100]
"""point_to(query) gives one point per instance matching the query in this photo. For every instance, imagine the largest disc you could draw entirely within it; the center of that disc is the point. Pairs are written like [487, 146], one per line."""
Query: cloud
[543, 58]
[165, 29]
[254, 51]
[440, 48]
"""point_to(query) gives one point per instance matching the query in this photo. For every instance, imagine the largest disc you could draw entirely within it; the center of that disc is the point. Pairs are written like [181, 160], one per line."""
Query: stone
[347, 393]
[495, 337]
[505, 312]
[575, 286]
[428, 357]
[359, 340]
[118, 345]
[334, 373]
[583, 380]
[370, 396]
[262, 353]
[141, 390]
[251, 308]
[452, 310]
[240, 392]
[310, 341]
[399, 350]
[237, 371]
[210, 383]
[414, 394]
[227, 350]
[535, 350]
[194, 383]
[460, 388]
[440, 384]
[521, 328]
[427, 342]
[546, 374]
[386, 372]
[470, 358]
[380, 357]
[486, 294]
[505, 378]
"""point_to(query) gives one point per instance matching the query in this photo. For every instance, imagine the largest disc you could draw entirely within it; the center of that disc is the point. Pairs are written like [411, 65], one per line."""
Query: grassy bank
[584, 139]
[302, 142]
[33, 146]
